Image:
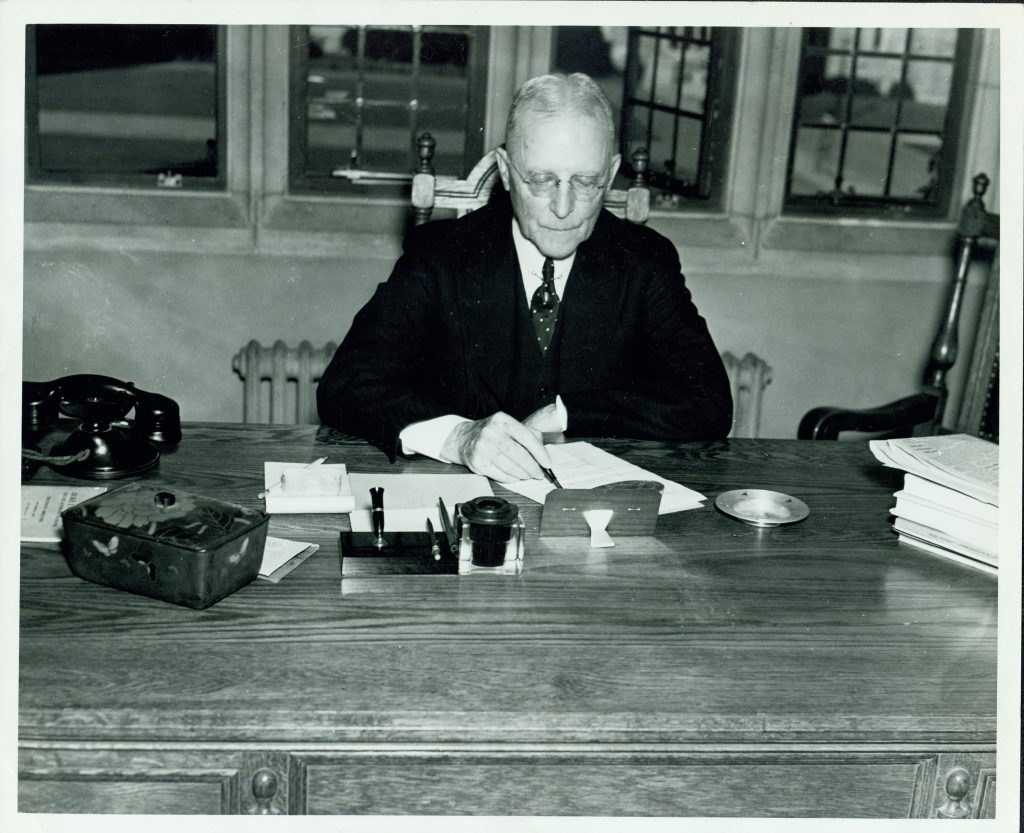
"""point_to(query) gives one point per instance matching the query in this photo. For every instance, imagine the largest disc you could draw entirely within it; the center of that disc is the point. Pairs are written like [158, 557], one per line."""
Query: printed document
[581, 465]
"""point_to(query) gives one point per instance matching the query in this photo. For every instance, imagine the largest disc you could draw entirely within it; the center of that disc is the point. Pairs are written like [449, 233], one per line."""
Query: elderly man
[539, 314]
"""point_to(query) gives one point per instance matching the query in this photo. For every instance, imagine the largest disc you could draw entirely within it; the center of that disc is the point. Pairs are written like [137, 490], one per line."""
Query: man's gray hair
[552, 94]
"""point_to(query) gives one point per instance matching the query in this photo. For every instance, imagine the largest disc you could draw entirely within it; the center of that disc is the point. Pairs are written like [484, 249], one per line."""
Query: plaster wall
[845, 332]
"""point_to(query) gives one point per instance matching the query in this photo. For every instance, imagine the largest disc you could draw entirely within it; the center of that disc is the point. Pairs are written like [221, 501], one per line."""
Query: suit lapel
[592, 303]
[489, 274]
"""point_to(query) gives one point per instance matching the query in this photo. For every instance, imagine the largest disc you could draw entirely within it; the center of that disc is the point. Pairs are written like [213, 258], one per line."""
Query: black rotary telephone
[102, 443]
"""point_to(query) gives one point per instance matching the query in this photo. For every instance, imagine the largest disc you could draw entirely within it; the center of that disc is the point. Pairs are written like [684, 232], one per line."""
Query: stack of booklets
[949, 503]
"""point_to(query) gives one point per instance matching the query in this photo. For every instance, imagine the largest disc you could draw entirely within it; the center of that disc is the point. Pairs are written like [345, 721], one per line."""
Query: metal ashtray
[761, 507]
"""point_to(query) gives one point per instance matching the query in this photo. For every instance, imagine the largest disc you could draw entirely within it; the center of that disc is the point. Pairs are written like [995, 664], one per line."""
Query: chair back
[748, 377]
[923, 412]
[430, 191]
[279, 382]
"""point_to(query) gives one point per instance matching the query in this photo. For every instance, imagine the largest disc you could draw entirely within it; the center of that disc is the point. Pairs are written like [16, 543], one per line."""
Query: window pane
[872, 105]
[867, 158]
[882, 40]
[914, 168]
[933, 42]
[928, 88]
[600, 52]
[371, 91]
[125, 100]
[838, 39]
[687, 151]
[816, 161]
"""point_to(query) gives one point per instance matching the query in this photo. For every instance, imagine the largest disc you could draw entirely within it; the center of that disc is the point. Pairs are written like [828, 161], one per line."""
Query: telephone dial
[102, 443]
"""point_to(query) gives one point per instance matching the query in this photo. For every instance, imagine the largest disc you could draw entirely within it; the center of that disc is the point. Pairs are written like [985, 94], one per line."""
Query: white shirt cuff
[563, 414]
[427, 437]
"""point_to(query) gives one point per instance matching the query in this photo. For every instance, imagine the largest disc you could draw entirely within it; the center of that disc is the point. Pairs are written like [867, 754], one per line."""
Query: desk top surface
[826, 630]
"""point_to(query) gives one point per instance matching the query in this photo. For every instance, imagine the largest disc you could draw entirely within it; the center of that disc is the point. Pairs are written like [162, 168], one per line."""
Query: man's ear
[613, 168]
[501, 155]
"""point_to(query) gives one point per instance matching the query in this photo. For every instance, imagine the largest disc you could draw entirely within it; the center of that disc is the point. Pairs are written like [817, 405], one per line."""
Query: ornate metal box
[175, 546]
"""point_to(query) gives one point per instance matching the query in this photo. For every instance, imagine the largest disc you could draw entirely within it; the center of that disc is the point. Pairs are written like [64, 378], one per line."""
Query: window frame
[397, 182]
[716, 137]
[868, 206]
[257, 213]
[153, 218]
[36, 176]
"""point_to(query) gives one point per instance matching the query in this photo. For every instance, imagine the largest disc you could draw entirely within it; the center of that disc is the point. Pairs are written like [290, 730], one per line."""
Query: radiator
[280, 381]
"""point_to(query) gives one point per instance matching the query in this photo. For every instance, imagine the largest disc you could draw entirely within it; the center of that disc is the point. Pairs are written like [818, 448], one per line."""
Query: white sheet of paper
[581, 465]
[409, 499]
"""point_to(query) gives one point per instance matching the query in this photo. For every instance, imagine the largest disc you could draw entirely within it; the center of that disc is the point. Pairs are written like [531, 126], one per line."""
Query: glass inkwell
[491, 536]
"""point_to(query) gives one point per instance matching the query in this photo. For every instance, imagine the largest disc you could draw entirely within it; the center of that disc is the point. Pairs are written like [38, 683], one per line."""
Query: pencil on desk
[435, 548]
[446, 523]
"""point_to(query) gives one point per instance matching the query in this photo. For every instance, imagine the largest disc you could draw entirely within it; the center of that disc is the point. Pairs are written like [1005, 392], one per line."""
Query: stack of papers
[584, 466]
[949, 503]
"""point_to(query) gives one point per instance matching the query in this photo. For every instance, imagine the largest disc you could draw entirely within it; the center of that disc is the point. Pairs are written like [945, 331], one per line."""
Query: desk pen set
[486, 535]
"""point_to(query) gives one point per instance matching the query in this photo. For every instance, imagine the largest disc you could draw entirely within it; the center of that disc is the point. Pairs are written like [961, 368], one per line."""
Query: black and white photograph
[540, 415]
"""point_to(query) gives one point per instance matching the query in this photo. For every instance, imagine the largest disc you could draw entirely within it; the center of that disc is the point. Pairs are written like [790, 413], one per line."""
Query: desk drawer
[854, 784]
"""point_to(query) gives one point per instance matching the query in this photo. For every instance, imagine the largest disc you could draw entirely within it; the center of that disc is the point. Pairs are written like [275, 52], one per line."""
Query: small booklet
[41, 507]
[299, 488]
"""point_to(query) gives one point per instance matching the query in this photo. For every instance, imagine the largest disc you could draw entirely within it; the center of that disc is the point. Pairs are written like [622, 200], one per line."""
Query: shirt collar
[531, 261]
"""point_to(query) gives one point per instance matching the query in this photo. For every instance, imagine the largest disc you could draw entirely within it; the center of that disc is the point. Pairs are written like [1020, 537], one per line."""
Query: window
[129, 105]
[877, 121]
[362, 95]
[671, 88]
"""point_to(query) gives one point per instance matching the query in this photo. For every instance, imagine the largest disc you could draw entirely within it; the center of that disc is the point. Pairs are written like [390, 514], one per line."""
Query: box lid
[167, 515]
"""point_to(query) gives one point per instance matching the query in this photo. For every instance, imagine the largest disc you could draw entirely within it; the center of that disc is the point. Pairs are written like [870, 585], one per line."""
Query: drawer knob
[264, 788]
[958, 784]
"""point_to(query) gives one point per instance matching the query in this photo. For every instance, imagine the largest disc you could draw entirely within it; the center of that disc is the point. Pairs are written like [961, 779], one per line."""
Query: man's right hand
[498, 447]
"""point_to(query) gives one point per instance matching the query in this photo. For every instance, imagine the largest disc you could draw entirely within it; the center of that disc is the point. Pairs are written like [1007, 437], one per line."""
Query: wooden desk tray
[634, 511]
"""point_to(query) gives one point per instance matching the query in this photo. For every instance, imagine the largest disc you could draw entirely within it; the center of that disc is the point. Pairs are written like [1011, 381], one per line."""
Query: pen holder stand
[491, 536]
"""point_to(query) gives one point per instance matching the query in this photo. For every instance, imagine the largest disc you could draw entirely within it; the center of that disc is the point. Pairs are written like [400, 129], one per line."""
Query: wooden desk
[820, 669]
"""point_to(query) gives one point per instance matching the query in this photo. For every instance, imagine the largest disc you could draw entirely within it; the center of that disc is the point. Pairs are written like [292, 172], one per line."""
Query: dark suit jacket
[635, 358]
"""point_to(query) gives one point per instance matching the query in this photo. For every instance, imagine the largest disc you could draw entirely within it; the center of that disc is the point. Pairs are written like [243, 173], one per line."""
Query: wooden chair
[280, 381]
[922, 413]
[749, 377]
[430, 191]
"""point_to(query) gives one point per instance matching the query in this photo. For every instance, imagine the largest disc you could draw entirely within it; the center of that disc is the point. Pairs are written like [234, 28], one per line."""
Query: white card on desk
[409, 499]
[281, 556]
[303, 489]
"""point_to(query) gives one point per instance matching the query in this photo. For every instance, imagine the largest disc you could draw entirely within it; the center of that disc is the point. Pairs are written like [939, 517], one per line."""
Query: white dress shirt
[427, 437]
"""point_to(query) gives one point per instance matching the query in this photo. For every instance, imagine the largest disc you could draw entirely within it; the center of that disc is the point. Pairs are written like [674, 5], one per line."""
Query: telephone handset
[103, 444]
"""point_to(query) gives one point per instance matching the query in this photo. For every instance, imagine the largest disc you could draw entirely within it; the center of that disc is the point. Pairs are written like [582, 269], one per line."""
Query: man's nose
[563, 200]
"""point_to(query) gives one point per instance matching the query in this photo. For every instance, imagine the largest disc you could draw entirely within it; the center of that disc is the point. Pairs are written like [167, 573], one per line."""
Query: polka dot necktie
[544, 306]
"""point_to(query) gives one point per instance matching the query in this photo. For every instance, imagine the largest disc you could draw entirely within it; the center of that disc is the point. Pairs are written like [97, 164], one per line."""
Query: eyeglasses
[583, 187]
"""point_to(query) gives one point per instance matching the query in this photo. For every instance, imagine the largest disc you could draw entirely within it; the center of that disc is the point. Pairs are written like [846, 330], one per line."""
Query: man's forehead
[538, 132]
